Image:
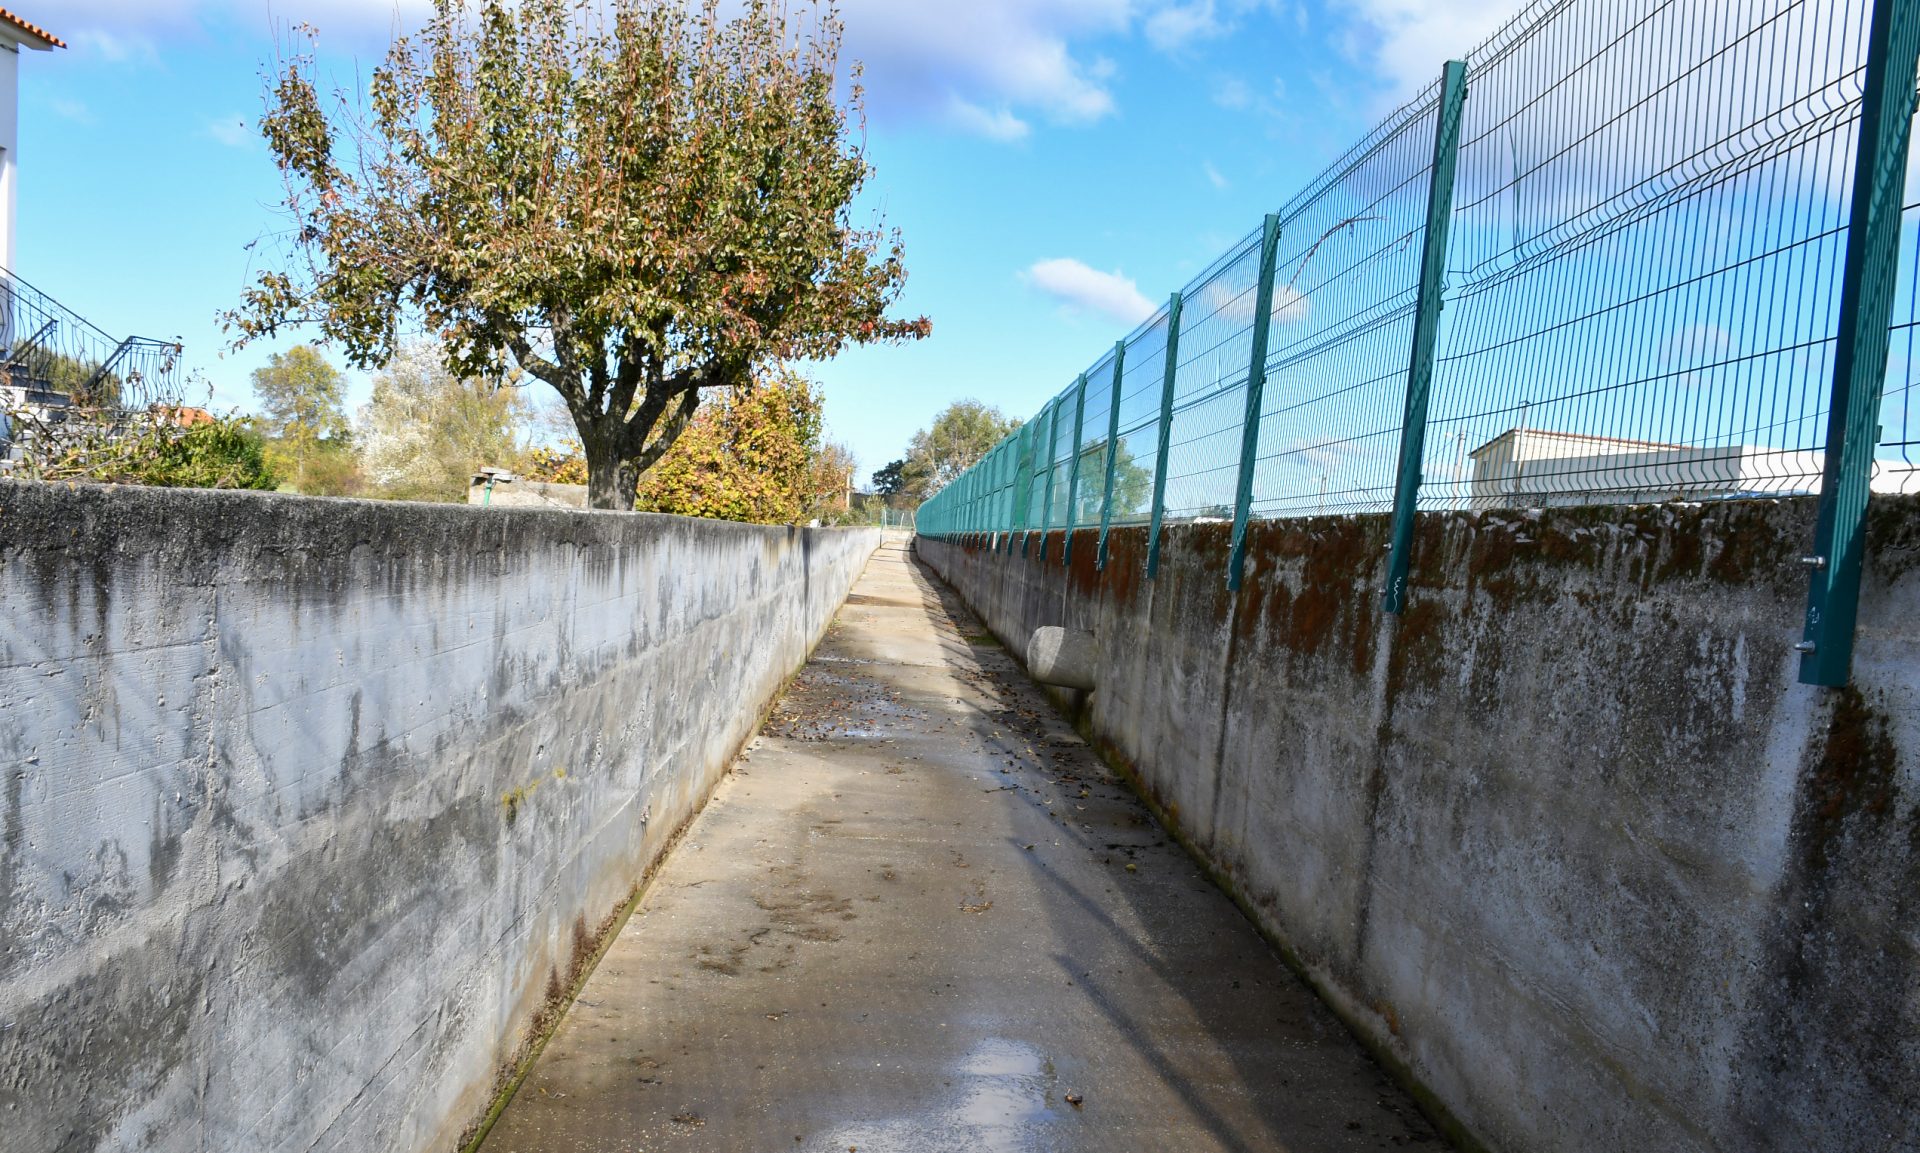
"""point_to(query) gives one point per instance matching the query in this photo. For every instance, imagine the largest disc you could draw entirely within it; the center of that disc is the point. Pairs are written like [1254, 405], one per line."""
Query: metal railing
[1626, 251]
[60, 375]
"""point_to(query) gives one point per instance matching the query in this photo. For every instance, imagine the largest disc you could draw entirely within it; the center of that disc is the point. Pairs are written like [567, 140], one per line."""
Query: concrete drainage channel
[922, 914]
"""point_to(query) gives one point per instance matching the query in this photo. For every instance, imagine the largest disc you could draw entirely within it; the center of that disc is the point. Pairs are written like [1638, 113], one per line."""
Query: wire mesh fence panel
[1209, 390]
[1136, 440]
[1897, 468]
[1008, 510]
[1642, 285]
[1650, 213]
[1066, 417]
[1093, 444]
[1346, 283]
[1040, 468]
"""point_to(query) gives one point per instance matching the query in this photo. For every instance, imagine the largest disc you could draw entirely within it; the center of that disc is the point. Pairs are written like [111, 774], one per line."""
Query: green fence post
[1073, 473]
[1046, 494]
[1256, 386]
[1022, 481]
[1869, 272]
[1113, 435]
[1426, 328]
[1166, 432]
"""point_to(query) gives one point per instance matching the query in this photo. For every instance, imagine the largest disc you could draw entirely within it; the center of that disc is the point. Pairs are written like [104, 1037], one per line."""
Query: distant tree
[555, 465]
[303, 415]
[1132, 483]
[748, 457]
[635, 206]
[889, 480]
[830, 478]
[332, 471]
[425, 430]
[963, 433]
[80, 379]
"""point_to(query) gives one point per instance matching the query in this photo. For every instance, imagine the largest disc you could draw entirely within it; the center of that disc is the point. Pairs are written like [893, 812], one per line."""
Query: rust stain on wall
[1855, 774]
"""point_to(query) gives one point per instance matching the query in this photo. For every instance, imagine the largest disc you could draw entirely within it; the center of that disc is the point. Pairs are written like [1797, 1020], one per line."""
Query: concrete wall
[306, 806]
[1567, 841]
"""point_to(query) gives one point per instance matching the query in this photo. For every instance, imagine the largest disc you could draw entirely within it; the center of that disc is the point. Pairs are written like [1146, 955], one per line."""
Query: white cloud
[231, 130]
[74, 110]
[1178, 26]
[1289, 307]
[1326, 456]
[1073, 283]
[1015, 55]
[115, 48]
[1000, 124]
[1697, 346]
[1407, 41]
[1010, 60]
[1237, 300]
[1231, 92]
[1214, 177]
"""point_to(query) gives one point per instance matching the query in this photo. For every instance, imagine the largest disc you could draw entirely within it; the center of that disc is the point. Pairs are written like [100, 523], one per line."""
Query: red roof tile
[31, 29]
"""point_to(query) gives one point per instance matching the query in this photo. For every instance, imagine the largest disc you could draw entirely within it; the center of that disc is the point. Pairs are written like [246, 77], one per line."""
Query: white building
[16, 33]
[1540, 468]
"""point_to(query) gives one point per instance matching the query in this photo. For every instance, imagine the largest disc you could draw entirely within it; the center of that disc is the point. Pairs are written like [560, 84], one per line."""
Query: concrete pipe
[1064, 657]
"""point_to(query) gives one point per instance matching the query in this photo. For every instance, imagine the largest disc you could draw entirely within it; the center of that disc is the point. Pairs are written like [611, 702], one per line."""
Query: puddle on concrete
[1009, 1086]
[1006, 1094]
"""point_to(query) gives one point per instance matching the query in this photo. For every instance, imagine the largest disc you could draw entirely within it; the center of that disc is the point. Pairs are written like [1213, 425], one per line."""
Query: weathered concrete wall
[1567, 841]
[307, 805]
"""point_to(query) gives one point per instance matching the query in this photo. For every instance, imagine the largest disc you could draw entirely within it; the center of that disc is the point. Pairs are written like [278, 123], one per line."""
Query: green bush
[217, 455]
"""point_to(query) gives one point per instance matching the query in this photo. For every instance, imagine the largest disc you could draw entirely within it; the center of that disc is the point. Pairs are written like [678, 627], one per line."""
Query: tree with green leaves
[635, 203]
[890, 480]
[751, 456]
[956, 440]
[302, 413]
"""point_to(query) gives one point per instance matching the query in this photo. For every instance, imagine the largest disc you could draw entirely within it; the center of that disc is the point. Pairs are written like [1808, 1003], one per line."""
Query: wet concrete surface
[922, 915]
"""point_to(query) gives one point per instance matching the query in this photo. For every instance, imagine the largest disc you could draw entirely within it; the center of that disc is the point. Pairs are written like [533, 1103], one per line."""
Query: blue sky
[1054, 165]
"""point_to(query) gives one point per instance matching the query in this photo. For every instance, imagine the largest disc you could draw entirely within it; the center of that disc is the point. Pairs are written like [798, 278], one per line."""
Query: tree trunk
[611, 478]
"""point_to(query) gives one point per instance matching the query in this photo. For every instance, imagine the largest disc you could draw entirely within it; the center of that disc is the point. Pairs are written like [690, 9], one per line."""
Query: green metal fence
[1627, 251]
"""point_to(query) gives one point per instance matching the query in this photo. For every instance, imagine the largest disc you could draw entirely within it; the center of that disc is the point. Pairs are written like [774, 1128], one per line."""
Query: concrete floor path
[922, 915]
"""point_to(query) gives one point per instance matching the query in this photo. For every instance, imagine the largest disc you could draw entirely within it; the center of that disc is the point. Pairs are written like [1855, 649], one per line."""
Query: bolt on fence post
[1172, 366]
[1113, 433]
[1046, 495]
[1426, 328]
[1869, 271]
[1073, 472]
[1256, 386]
